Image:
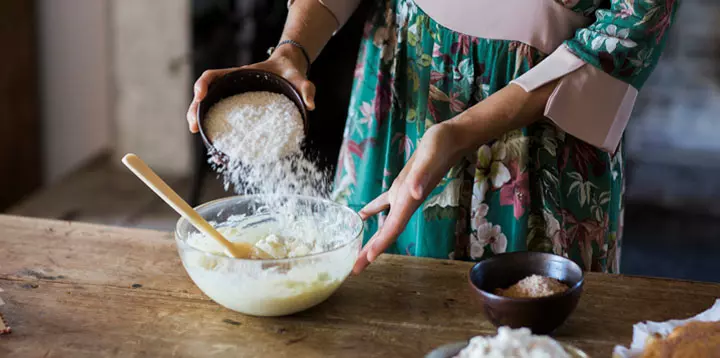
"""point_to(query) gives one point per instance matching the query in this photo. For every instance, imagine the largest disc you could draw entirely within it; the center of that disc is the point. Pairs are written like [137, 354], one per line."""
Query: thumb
[302, 85]
[307, 90]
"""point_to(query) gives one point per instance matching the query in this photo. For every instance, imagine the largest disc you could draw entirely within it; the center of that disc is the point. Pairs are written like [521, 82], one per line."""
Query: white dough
[279, 247]
[513, 343]
[266, 287]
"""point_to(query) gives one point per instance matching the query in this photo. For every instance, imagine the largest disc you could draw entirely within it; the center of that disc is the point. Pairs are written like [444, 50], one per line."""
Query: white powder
[261, 133]
[509, 343]
[255, 127]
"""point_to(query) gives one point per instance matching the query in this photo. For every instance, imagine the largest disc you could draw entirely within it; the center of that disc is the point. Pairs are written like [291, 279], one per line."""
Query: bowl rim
[247, 71]
[356, 236]
[491, 295]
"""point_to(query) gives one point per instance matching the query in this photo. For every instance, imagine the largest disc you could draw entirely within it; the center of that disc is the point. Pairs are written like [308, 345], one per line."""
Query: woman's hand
[442, 146]
[438, 150]
[287, 61]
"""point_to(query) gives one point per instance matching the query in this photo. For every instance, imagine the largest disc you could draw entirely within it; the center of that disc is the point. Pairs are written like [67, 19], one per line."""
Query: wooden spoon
[153, 181]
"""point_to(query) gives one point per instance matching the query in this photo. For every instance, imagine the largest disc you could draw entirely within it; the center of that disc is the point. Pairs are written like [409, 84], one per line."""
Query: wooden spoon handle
[153, 181]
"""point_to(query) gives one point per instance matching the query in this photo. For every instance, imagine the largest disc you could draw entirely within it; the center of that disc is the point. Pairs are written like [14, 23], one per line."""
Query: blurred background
[82, 82]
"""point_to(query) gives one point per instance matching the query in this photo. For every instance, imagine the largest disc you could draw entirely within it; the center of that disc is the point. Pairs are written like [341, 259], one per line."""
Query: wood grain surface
[81, 290]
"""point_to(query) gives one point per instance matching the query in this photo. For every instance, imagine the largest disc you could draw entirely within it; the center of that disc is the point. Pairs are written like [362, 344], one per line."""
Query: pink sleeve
[587, 103]
[341, 9]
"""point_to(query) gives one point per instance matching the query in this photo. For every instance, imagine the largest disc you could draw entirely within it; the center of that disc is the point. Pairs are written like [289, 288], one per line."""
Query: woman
[478, 127]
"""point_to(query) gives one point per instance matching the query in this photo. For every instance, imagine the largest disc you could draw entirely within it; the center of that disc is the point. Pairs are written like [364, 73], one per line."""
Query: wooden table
[79, 290]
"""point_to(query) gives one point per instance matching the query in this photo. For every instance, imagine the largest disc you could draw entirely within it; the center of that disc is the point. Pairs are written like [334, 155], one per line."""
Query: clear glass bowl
[273, 287]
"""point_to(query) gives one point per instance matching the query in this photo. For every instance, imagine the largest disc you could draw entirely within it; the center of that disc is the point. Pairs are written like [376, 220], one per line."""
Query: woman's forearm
[310, 24]
[508, 109]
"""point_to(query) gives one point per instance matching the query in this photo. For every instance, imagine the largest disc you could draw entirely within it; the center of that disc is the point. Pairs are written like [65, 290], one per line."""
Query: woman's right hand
[287, 61]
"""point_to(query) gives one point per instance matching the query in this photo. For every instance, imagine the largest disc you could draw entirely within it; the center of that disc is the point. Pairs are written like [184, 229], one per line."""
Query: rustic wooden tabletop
[80, 290]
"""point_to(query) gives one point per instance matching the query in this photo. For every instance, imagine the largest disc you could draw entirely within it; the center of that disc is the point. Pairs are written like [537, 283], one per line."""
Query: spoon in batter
[153, 181]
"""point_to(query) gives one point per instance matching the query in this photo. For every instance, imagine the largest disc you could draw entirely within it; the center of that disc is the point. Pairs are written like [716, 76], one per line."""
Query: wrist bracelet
[297, 45]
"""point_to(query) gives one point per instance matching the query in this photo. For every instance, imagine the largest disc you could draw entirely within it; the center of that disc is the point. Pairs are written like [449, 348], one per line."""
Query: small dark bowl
[541, 315]
[241, 81]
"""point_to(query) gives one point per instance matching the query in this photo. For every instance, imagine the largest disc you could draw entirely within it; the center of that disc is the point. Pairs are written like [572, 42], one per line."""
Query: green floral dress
[536, 188]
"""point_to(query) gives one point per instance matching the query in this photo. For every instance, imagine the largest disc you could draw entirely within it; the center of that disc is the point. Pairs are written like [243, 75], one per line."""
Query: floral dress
[536, 188]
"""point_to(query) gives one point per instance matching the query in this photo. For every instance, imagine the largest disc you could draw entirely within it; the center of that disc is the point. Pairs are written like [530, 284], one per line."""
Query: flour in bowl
[255, 127]
[261, 134]
[533, 286]
[509, 343]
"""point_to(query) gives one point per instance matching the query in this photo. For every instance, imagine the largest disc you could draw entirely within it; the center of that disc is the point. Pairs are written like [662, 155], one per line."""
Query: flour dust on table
[261, 133]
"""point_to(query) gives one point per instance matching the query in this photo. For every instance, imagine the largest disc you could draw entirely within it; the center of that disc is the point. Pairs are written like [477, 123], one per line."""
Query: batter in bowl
[286, 275]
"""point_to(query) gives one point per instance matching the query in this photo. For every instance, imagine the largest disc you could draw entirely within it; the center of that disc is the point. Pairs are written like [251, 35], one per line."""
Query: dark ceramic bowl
[241, 81]
[542, 315]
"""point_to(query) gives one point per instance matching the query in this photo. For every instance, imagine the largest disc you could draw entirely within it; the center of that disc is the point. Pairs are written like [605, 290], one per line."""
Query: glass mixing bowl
[281, 286]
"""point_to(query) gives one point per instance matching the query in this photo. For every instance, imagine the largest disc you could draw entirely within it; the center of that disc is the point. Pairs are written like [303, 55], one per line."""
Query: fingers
[362, 260]
[375, 207]
[307, 89]
[200, 91]
[202, 83]
[303, 85]
[400, 213]
[192, 116]
[380, 204]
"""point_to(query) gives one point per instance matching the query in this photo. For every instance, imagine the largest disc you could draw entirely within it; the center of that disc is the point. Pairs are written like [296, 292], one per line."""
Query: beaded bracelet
[291, 42]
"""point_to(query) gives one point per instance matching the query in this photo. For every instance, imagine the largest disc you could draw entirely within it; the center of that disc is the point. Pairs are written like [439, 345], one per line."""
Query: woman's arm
[602, 68]
[442, 146]
[508, 109]
[310, 24]
[587, 87]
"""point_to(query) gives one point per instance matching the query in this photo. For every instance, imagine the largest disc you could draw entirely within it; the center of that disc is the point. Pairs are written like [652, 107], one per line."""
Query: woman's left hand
[438, 150]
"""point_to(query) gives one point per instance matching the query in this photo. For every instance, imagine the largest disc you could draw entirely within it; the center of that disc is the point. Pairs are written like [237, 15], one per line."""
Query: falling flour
[261, 133]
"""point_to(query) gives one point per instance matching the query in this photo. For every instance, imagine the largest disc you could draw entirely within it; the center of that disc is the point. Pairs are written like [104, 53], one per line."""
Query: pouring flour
[261, 135]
